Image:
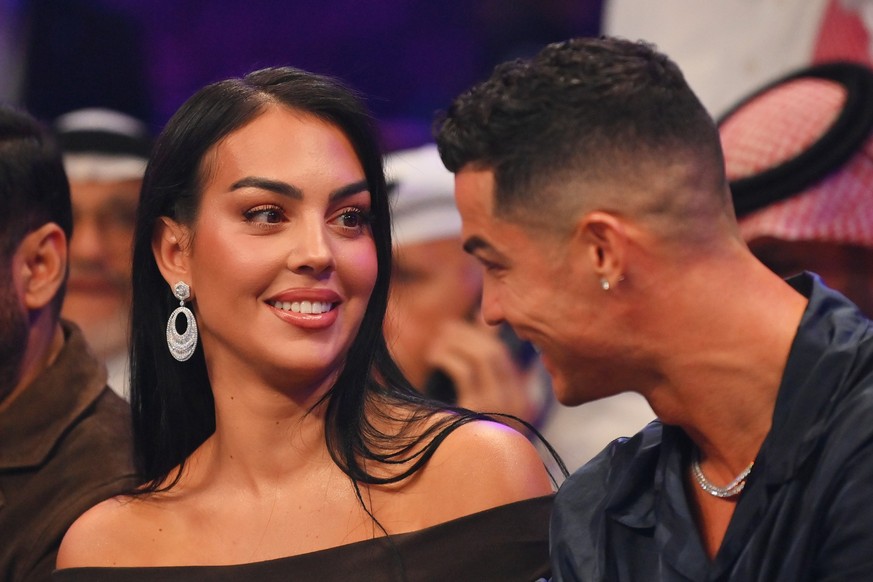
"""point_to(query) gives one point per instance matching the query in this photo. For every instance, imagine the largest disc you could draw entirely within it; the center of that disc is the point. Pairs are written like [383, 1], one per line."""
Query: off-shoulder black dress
[506, 543]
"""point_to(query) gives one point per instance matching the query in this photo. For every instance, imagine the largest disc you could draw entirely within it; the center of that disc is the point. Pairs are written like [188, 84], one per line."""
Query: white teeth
[308, 307]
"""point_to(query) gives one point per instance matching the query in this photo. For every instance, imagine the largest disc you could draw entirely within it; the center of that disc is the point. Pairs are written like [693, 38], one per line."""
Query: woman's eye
[264, 215]
[353, 219]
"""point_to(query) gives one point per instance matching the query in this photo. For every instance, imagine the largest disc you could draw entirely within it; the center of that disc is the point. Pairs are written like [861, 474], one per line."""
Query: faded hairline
[680, 196]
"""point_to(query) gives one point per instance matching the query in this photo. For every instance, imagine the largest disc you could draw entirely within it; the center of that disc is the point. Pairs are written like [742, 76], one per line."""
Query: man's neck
[732, 349]
[44, 345]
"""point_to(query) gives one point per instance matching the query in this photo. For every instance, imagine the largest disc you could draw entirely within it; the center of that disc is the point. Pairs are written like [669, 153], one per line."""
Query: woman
[285, 442]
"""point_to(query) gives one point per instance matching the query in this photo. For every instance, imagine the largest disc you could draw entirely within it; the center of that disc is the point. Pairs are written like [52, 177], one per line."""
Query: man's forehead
[474, 188]
[474, 196]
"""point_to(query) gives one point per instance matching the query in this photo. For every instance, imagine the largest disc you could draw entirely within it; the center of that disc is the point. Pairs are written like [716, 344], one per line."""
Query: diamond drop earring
[182, 344]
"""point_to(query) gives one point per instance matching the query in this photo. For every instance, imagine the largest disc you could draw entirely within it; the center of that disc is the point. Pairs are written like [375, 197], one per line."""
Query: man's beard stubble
[13, 331]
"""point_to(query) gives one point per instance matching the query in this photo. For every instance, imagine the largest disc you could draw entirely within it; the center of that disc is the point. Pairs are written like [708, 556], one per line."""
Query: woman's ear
[42, 262]
[605, 240]
[170, 245]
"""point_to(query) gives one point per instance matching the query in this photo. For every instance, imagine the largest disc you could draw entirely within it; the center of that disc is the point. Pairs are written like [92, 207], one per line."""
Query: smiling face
[542, 285]
[281, 261]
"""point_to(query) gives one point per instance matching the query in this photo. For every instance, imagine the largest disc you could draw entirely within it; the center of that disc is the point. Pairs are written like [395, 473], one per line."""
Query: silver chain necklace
[732, 489]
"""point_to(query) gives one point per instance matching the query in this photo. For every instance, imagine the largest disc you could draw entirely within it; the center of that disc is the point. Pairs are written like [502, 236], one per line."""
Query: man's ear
[42, 259]
[170, 245]
[605, 239]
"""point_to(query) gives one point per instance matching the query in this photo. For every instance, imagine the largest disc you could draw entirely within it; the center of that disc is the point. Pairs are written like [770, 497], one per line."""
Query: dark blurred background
[145, 57]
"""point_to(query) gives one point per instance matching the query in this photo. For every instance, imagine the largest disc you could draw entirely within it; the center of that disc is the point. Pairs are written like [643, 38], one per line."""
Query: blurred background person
[799, 157]
[105, 155]
[65, 440]
[728, 48]
[433, 324]
[435, 332]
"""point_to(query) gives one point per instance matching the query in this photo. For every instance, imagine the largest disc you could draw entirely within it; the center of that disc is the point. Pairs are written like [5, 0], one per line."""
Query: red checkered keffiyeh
[778, 125]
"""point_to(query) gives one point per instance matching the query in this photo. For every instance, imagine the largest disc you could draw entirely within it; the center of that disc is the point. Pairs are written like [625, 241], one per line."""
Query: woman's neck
[264, 433]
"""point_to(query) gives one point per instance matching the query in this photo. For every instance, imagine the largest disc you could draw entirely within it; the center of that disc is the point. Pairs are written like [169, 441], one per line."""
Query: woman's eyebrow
[291, 191]
[349, 190]
[277, 186]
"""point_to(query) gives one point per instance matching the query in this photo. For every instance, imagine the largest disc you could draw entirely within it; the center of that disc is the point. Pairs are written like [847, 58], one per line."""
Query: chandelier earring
[182, 344]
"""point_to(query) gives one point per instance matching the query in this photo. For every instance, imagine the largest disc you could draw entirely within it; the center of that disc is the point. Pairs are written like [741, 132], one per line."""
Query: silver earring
[182, 344]
[604, 284]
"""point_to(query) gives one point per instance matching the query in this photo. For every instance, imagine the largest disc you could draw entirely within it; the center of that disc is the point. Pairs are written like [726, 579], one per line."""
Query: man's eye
[488, 265]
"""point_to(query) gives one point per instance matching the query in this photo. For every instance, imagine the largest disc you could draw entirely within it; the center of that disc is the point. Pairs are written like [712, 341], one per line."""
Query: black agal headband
[831, 150]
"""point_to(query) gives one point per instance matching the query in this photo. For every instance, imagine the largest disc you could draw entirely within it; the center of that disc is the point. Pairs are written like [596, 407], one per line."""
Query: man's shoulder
[104, 429]
[96, 453]
[578, 525]
[624, 458]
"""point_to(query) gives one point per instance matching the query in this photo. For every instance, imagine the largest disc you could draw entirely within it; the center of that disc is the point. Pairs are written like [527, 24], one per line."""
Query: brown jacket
[65, 445]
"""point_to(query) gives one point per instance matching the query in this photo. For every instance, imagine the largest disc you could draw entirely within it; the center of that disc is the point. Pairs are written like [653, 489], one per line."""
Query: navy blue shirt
[807, 510]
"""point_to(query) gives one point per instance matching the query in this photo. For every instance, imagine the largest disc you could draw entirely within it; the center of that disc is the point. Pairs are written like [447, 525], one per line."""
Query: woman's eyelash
[352, 217]
[365, 216]
[267, 213]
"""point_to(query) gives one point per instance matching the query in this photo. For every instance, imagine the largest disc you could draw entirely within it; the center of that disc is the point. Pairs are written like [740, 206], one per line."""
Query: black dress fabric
[506, 544]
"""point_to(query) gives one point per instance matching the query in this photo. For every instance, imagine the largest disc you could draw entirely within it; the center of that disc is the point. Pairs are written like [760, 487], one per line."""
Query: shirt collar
[631, 500]
[38, 418]
[822, 355]
[652, 462]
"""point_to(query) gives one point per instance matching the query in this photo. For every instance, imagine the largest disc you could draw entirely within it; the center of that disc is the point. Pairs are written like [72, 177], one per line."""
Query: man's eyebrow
[291, 191]
[484, 251]
[475, 243]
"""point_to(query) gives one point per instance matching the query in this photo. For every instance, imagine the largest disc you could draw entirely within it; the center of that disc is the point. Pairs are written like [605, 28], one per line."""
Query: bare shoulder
[108, 534]
[487, 464]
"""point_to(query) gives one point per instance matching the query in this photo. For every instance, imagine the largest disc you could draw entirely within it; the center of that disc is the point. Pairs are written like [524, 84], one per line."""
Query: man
[64, 436]
[799, 157]
[105, 155]
[436, 334]
[591, 185]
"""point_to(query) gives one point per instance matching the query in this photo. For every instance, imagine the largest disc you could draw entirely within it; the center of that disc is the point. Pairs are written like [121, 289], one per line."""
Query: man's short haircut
[33, 187]
[588, 107]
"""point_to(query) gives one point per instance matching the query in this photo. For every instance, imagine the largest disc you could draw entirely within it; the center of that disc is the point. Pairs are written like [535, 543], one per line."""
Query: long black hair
[172, 402]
